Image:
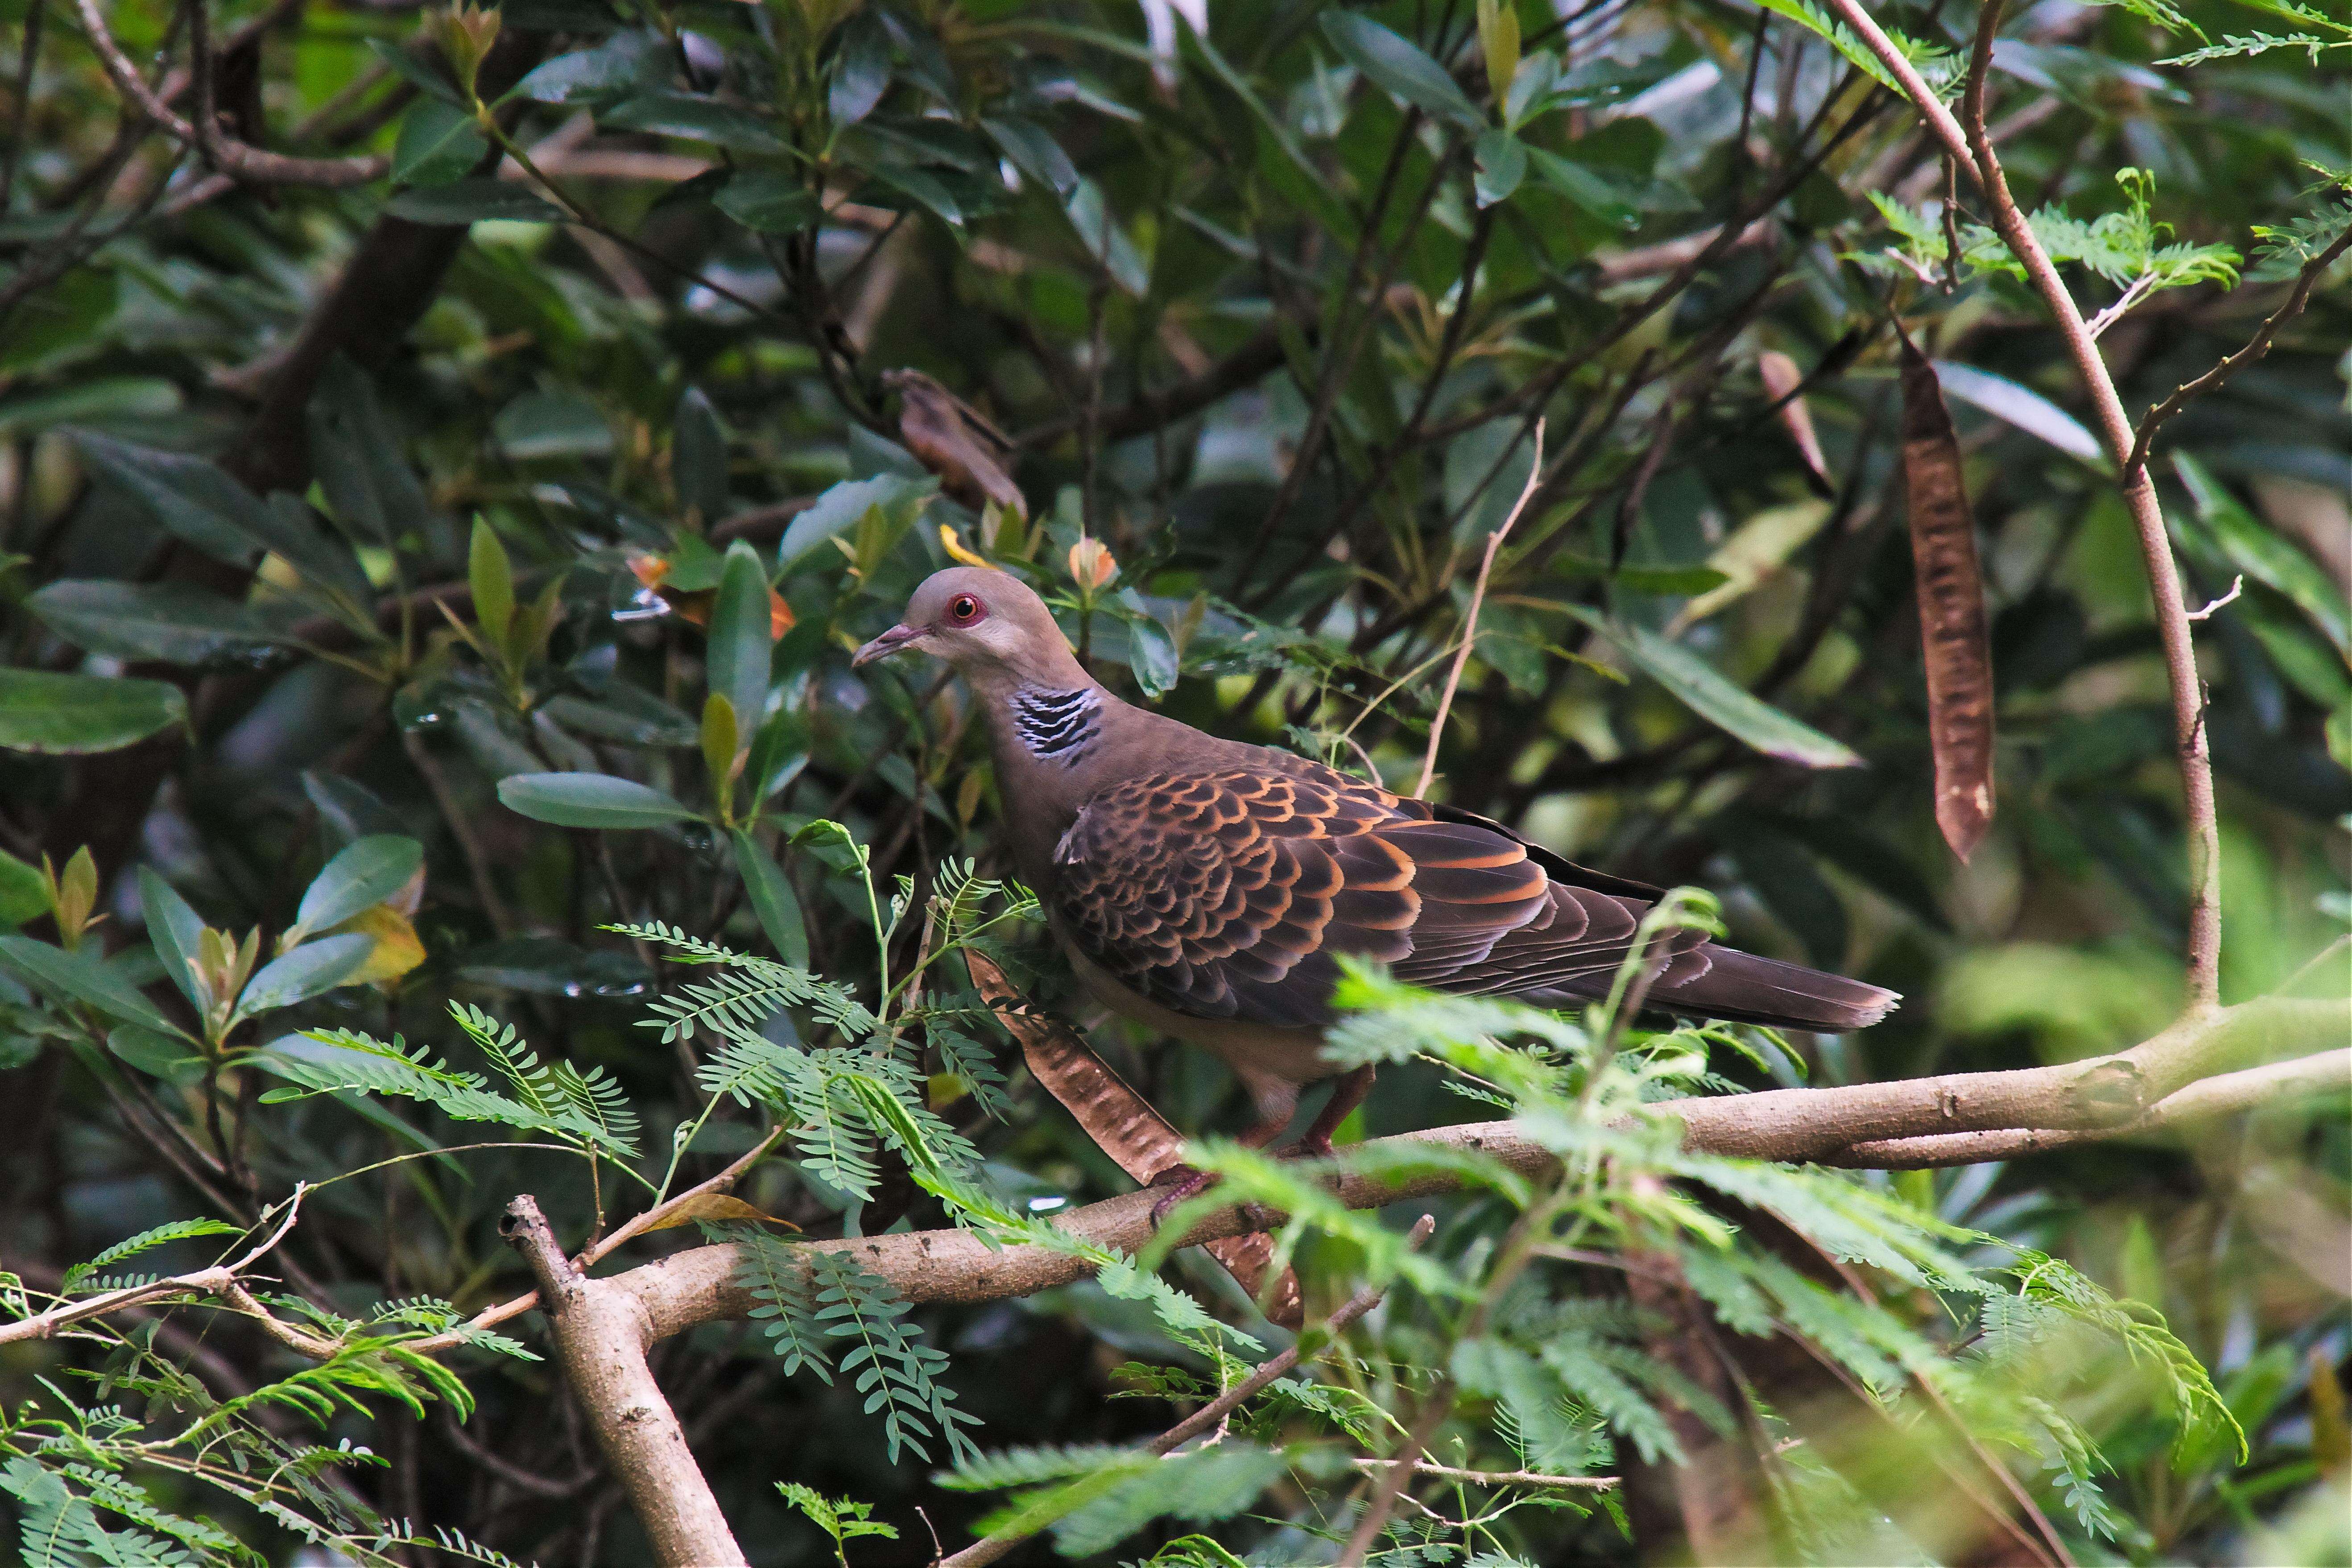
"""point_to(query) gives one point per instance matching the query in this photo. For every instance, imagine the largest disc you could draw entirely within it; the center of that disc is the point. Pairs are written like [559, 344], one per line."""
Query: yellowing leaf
[718, 1208]
[957, 548]
[396, 950]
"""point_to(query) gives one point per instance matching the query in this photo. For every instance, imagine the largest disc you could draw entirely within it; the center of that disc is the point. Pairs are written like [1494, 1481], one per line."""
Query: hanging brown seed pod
[1127, 1127]
[1951, 608]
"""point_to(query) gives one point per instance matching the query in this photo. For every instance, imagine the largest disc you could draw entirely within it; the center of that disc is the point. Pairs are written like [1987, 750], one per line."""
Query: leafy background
[383, 617]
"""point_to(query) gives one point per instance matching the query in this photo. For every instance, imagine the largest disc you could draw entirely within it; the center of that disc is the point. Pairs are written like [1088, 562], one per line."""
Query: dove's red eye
[963, 609]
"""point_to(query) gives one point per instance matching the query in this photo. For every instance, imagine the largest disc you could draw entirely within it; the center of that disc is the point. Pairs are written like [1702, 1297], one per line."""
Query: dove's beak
[886, 644]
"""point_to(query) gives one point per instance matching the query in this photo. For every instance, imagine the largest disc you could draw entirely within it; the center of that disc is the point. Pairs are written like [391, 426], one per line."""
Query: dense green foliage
[427, 592]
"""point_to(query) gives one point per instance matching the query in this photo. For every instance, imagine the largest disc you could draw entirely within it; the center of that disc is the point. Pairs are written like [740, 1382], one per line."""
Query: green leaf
[367, 872]
[101, 397]
[697, 456]
[414, 71]
[697, 119]
[187, 497]
[174, 929]
[772, 899]
[158, 1056]
[1106, 240]
[23, 894]
[622, 60]
[589, 800]
[844, 505]
[490, 574]
[923, 188]
[439, 142]
[861, 70]
[2253, 549]
[1502, 164]
[368, 488]
[1035, 153]
[73, 714]
[767, 203]
[1584, 188]
[176, 623]
[470, 201]
[78, 977]
[557, 423]
[1703, 690]
[740, 649]
[1400, 67]
[623, 713]
[309, 969]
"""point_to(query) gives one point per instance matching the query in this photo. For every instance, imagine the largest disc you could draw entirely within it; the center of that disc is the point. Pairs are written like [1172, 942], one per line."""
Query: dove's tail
[1744, 988]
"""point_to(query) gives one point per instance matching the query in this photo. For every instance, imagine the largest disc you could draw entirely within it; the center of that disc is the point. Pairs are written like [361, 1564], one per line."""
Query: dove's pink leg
[1346, 1095]
[1277, 1102]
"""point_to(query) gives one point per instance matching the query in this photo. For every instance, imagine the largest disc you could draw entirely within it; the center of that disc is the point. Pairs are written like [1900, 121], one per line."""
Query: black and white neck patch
[1056, 724]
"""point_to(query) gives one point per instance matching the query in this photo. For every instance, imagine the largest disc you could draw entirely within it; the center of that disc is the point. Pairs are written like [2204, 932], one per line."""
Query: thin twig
[2256, 347]
[1470, 621]
[219, 1280]
[590, 1256]
[2237, 586]
[1535, 1480]
[231, 156]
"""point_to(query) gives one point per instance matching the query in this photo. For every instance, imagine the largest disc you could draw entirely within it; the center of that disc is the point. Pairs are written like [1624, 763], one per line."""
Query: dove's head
[989, 625]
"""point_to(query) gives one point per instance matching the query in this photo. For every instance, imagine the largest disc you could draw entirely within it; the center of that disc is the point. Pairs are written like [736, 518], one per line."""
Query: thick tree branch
[601, 1333]
[2105, 1097]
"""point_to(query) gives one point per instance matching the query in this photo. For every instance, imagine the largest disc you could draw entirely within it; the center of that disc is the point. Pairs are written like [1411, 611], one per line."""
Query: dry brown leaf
[951, 439]
[1782, 378]
[1951, 609]
[720, 1208]
[1126, 1126]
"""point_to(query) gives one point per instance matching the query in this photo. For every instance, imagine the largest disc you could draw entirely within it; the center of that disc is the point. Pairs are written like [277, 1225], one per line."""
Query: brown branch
[1470, 617]
[1972, 149]
[228, 154]
[220, 1279]
[2256, 347]
[601, 1333]
[2106, 1094]
[1210, 1416]
[1533, 1479]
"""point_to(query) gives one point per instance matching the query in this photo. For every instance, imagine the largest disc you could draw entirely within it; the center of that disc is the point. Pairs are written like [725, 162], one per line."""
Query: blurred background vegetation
[382, 450]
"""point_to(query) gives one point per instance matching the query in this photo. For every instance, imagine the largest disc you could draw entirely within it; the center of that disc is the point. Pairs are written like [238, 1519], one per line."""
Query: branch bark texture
[1958, 1118]
[601, 1333]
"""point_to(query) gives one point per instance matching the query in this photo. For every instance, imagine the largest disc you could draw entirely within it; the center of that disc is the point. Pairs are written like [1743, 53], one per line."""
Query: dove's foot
[1183, 1183]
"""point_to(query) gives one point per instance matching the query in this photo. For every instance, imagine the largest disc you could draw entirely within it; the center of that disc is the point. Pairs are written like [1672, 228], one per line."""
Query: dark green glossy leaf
[1399, 67]
[78, 977]
[174, 622]
[364, 873]
[772, 899]
[309, 969]
[697, 119]
[65, 714]
[1701, 688]
[739, 650]
[767, 203]
[589, 800]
